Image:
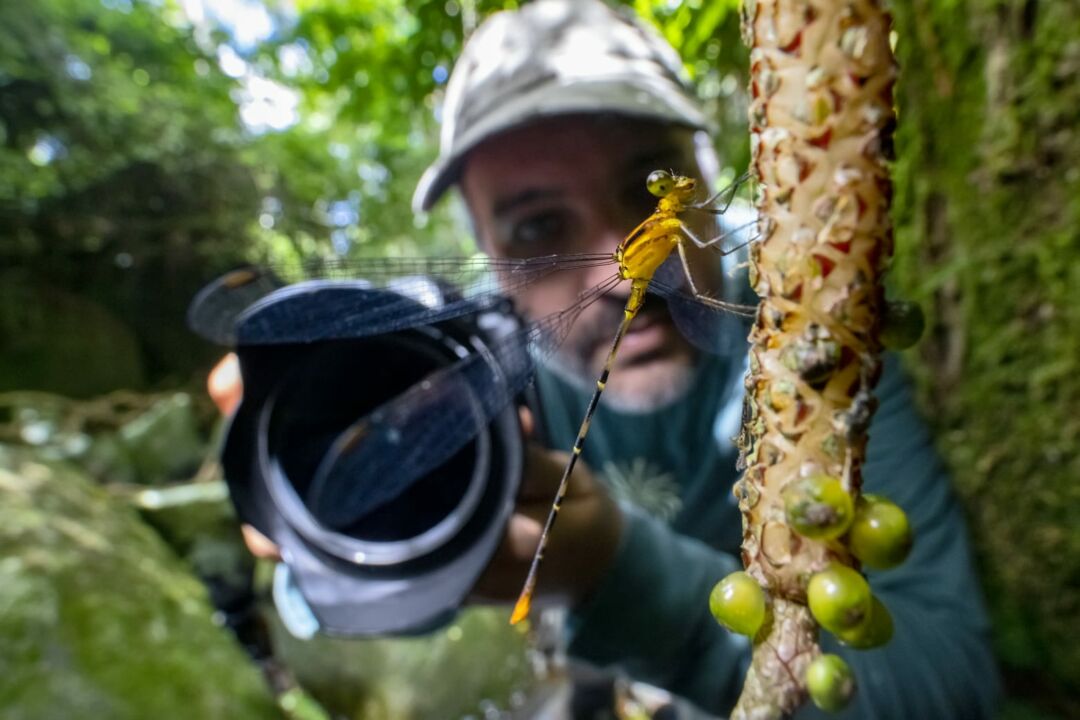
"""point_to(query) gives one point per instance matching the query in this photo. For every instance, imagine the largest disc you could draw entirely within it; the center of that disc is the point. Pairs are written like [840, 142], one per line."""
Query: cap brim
[613, 97]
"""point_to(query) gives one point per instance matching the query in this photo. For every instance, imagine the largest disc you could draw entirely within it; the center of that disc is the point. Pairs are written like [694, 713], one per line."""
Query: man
[553, 117]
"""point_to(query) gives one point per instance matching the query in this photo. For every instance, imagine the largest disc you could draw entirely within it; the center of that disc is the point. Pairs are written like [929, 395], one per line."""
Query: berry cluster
[876, 532]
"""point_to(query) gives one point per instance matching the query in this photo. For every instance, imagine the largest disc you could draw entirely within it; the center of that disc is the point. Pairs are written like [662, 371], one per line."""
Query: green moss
[99, 618]
[988, 227]
[473, 667]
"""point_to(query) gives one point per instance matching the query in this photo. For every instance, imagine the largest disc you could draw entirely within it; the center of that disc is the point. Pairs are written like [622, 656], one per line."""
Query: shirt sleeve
[650, 616]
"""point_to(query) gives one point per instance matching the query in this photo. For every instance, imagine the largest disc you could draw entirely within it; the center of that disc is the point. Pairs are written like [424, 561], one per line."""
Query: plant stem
[821, 126]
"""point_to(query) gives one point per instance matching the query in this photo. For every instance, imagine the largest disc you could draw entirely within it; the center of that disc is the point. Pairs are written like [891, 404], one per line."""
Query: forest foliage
[146, 145]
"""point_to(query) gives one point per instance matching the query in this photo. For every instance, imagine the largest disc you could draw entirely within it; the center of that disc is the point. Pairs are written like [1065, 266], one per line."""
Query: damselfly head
[662, 184]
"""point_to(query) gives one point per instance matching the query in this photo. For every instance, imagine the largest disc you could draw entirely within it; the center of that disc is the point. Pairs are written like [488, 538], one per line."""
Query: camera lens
[383, 466]
[320, 403]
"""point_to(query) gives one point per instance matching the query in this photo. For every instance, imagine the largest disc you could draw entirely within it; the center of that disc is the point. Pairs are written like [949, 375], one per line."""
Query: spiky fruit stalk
[821, 120]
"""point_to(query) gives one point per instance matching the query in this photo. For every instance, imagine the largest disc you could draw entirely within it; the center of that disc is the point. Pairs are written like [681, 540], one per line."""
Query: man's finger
[528, 422]
[225, 385]
[259, 545]
[523, 536]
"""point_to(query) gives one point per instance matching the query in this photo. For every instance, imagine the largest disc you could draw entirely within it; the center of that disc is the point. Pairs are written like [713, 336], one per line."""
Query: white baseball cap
[555, 57]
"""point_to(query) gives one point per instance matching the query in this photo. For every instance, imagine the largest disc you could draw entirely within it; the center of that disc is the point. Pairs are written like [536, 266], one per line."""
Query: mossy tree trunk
[988, 224]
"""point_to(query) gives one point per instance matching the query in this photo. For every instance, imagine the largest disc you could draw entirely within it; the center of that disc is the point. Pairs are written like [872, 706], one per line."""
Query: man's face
[577, 185]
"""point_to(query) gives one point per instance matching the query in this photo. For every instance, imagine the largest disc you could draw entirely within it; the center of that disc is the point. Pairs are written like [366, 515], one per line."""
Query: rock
[197, 521]
[98, 618]
[122, 437]
[163, 443]
[474, 667]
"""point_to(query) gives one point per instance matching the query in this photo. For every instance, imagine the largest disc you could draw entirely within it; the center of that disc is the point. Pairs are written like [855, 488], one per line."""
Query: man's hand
[224, 384]
[582, 544]
[226, 388]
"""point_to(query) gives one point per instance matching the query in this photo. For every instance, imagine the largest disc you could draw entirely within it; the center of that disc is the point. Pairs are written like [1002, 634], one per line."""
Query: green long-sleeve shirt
[650, 615]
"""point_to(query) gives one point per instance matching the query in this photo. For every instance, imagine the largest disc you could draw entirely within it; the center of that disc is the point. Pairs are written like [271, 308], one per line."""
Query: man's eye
[542, 228]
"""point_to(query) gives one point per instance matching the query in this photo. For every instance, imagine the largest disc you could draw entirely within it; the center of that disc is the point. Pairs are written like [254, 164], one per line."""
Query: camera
[363, 553]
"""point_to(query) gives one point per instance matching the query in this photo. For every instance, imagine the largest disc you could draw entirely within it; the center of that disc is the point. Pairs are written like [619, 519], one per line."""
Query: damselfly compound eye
[660, 183]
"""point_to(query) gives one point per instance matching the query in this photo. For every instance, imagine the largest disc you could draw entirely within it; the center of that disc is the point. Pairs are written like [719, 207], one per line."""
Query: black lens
[336, 386]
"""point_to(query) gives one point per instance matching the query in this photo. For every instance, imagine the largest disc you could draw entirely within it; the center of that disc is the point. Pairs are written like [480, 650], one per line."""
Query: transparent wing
[715, 323]
[383, 454]
[236, 308]
[719, 328]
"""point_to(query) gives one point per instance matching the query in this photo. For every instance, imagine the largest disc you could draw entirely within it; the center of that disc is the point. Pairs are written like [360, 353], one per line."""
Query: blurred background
[148, 145]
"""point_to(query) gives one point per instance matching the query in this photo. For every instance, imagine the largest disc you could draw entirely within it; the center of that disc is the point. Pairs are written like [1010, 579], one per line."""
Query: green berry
[818, 507]
[880, 535]
[902, 324]
[830, 682]
[738, 603]
[876, 630]
[839, 598]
